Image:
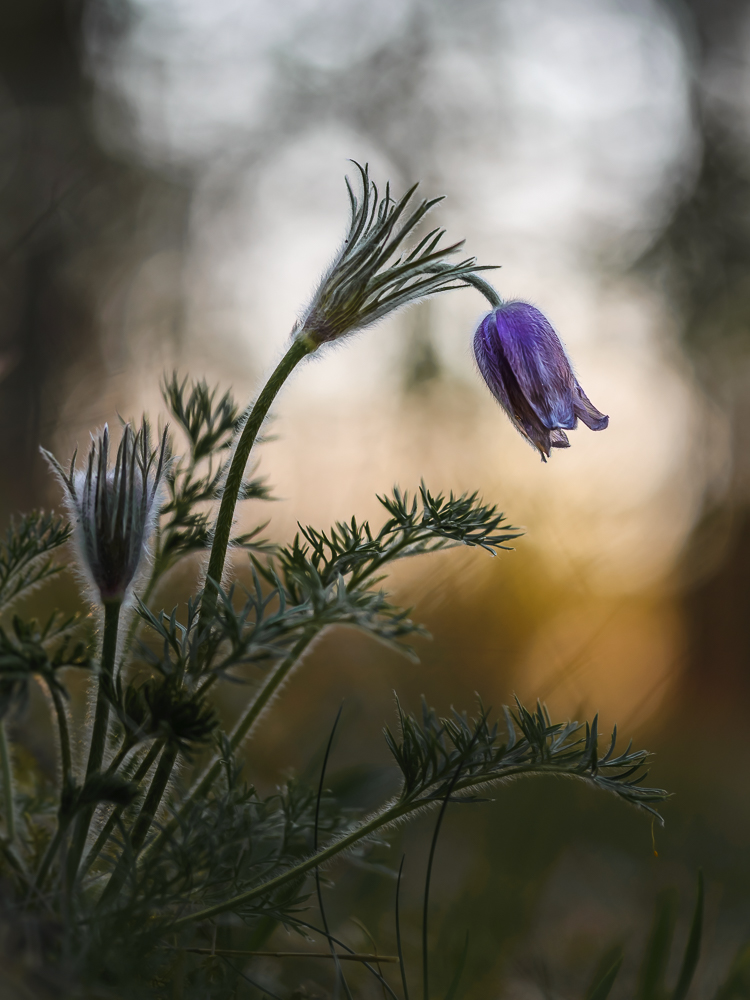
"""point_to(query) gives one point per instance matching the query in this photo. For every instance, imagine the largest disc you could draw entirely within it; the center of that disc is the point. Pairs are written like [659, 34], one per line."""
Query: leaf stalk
[99, 732]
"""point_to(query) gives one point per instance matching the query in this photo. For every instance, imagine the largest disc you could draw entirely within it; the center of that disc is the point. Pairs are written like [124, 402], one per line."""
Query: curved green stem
[143, 768]
[256, 707]
[428, 881]
[256, 414]
[388, 814]
[98, 734]
[299, 349]
[485, 288]
[9, 804]
[121, 754]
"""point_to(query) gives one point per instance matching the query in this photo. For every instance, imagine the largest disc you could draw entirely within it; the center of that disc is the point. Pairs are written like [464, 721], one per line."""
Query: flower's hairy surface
[528, 372]
[372, 275]
[115, 508]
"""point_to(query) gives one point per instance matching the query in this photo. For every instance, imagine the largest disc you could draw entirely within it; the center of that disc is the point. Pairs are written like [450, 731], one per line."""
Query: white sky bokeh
[561, 132]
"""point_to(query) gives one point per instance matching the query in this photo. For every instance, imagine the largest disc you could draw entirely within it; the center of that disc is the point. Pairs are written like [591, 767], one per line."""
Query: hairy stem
[121, 754]
[254, 710]
[388, 814]
[99, 732]
[299, 349]
[9, 805]
[101, 717]
[480, 284]
[143, 768]
[143, 824]
[257, 413]
[485, 288]
[66, 762]
[134, 617]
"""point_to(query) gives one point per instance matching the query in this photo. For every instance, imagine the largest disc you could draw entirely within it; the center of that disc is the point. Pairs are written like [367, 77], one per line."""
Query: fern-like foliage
[417, 525]
[25, 553]
[441, 759]
[430, 751]
[324, 578]
[209, 422]
[237, 839]
[30, 650]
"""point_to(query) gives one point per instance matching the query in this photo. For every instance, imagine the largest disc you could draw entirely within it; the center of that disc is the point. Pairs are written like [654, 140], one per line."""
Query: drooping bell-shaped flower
[115, 509]
[528, 372]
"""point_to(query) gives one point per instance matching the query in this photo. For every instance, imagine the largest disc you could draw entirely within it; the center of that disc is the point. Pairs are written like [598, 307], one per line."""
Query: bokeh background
[171, 187]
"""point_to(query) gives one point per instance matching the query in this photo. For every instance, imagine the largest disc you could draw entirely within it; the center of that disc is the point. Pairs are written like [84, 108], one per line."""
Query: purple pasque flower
[527, 370]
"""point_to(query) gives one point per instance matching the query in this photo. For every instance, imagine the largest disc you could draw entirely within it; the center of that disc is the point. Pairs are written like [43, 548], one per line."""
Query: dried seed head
[115, 509]
[373, 274]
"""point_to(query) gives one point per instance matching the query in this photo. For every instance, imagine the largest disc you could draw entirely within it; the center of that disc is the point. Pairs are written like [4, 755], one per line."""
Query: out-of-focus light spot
[260, 247]
[556, 130]
[621, 662]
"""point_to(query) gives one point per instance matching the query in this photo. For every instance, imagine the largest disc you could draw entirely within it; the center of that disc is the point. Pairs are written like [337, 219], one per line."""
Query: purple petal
[538, 361]
[558, 439]
[586, 410]
[504, 386]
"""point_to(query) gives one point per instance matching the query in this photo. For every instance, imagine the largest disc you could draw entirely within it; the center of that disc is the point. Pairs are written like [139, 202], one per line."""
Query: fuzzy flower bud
[527, 370]
[372, 274]
[115, 509]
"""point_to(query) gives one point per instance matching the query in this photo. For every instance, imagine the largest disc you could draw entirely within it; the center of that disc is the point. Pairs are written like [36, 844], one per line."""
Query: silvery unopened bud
[372, 274]
[115, 509]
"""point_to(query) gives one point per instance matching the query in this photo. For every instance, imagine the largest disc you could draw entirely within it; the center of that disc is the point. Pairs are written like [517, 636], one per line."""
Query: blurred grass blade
[737, 984]
[606, 973]
[693, 949]
[451, 994]
[651, 986]
[402, 967]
